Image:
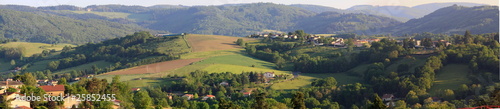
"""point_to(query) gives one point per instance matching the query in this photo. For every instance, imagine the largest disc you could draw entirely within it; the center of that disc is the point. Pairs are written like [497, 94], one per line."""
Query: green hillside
[332, 22]
[453, 20]
[47, 28]
[229, 20]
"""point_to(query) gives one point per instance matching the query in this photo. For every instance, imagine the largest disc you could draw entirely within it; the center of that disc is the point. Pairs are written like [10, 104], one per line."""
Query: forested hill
[403, 13]
[229, 20]
[48, 28]
[240, 20]
[332, 22]
[453, 19]
[70, 24]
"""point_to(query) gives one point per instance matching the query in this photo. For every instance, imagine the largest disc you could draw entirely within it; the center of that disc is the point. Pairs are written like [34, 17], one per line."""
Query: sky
[342, 4]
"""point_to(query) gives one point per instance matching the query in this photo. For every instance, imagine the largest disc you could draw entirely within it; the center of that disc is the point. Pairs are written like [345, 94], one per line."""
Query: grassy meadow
[450, 77]
[34, 48]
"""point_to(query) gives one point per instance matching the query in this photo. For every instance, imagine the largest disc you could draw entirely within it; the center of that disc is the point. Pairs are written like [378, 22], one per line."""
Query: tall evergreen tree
[468, 37]
[260, 102]
[298, 101]
[377, 103]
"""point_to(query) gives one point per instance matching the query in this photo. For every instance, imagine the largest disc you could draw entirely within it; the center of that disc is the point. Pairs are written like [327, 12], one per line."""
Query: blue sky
[343, 4]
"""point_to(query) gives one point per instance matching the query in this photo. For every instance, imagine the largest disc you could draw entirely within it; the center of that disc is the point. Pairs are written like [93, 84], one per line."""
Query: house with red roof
[4, 85]
[135, 89]
[23, 107]
[208, 97]
[53, 90]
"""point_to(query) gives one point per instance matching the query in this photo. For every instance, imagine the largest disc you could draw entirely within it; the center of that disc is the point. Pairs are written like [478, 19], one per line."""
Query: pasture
[38, 66]
[305, 80]
[450, 77]
[235, 63]
[31, 48]
[202, 43]
[156, 67]
[99, 64]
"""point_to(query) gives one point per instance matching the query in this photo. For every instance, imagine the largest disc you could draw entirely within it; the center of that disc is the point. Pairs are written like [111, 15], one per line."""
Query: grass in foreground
[450, 77]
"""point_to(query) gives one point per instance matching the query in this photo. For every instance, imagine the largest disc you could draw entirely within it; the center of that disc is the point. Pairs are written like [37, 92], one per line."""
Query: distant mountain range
[70, 24]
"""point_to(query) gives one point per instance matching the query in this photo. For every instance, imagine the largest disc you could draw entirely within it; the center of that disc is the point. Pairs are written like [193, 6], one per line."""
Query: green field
[324, 35]
[419, 61]
[100, 64]
[5, 65]
[305, 80]
[450, 77]
[235, 62]
[208, 54]
[34, 48]
[38, 66]
[166, 45]
[138, 80]
[217, 68]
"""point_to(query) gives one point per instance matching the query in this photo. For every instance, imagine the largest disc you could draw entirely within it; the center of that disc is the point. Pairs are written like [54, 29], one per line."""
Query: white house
[387, 97]
[188, 96]
[224, 83]
[69, 102]
[269, 74]
[17, 102]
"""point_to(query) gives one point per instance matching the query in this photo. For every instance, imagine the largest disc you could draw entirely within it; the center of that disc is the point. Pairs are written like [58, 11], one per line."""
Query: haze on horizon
[342, 4]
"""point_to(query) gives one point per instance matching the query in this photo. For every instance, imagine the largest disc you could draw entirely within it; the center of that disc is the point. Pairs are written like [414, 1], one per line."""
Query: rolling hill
[332, 22]
[228, 20]
[70, 24]
[453, 19]
[403, 13]
[48, 28]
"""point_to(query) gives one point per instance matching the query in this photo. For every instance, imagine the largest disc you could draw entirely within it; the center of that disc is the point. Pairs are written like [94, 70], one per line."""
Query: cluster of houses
[246, 92]
[340, 42]
[285, 36]
[50, 87]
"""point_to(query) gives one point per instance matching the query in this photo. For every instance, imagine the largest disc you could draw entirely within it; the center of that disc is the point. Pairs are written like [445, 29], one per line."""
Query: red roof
[210, 96]
[50, 88]
[117, 101]
[247, 93]
[23, 107]
[135, 89]
[188, 95]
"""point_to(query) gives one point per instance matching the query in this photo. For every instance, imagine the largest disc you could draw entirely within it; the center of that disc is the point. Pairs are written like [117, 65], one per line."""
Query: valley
[252, 56]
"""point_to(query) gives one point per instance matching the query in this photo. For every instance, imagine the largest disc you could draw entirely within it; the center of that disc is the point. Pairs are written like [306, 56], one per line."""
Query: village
[333, 41]
[11, 89]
